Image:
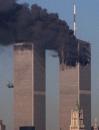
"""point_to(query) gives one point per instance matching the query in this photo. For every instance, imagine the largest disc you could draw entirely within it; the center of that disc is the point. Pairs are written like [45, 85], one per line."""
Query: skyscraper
[29, 86]
[75, 86]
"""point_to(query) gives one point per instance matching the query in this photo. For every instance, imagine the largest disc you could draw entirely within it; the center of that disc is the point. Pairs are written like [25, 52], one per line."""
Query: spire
[74, 16]
[77, 107]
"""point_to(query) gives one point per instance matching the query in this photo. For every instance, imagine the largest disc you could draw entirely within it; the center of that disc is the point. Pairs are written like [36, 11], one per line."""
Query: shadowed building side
[85, 94]
[29, 87]
[85, 89]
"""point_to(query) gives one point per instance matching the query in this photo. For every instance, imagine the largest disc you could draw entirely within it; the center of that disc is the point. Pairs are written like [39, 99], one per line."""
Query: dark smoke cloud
[6, 4]
[19, 23]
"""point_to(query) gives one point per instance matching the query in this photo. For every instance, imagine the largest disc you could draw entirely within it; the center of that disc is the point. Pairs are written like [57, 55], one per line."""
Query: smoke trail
[19, 23]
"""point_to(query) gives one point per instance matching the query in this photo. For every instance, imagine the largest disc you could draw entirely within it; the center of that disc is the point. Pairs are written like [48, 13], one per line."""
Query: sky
[87, 29]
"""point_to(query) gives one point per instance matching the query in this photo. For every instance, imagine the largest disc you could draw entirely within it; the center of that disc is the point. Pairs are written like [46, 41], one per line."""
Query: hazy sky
[87, 29]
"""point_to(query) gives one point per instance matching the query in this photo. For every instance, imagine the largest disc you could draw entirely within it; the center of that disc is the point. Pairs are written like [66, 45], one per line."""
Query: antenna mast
[75, 29]
[74, 15]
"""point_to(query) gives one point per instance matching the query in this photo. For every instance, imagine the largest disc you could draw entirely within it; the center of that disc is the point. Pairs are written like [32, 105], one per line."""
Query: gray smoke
[6, 4]
[19, 23]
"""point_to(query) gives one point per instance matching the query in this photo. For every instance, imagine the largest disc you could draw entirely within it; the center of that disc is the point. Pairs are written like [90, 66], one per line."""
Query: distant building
[95, 126]
[2, 126]
[77, 120]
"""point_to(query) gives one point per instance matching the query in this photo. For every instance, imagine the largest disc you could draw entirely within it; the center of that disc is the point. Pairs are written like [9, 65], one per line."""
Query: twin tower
[30, 90]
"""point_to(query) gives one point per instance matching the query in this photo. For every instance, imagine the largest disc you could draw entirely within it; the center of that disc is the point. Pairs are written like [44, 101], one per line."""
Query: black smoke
[20, 23]
[6, 5]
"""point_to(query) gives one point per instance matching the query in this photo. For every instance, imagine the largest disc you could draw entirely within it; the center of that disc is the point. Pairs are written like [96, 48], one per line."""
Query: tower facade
[29, 87]
[75, 85]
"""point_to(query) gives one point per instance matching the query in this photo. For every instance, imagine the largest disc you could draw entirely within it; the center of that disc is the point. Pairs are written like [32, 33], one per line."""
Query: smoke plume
[6, 5]
[19, 23]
